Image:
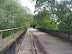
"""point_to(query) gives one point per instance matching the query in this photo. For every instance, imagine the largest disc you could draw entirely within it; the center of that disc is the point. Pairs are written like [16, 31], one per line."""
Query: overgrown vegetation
[54, 15]
[13, 15]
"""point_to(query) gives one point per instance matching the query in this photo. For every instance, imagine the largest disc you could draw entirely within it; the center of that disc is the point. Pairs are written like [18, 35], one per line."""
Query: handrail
[10, 29]
[1, 31]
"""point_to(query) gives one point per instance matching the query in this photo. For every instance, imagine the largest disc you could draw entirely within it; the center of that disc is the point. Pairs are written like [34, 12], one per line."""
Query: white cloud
[59, 0]
[29, 4]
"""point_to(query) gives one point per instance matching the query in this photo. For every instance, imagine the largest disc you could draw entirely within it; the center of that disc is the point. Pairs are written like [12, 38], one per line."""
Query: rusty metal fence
[57, 33]
[1, 32]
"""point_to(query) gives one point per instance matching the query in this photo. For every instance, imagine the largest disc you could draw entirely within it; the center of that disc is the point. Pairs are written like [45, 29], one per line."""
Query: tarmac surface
[48, 44]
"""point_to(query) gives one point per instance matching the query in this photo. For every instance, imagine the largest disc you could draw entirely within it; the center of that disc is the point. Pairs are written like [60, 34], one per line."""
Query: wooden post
[13, 33]
[0, 39]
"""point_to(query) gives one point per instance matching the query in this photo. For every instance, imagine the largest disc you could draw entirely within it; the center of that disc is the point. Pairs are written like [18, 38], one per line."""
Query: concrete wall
[58, 33]
[14, 47]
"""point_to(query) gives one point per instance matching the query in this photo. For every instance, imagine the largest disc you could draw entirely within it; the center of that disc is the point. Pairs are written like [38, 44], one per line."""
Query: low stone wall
[13, 46]
[57, 33]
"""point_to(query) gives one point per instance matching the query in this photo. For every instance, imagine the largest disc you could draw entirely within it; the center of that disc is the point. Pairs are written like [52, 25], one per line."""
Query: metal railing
[1, 32]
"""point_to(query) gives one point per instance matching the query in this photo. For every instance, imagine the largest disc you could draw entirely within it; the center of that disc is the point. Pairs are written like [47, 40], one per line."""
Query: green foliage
[59, 17]
[64, 17]
[43, 20]
[13, 15]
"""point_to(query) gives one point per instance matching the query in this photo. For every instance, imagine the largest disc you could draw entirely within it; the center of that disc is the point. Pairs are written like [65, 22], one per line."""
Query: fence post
[13, 33]
[68, 36]
[21, 29]
[0, 39]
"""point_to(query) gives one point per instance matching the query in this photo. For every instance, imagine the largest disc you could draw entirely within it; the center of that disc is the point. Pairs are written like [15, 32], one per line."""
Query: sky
[30, 4]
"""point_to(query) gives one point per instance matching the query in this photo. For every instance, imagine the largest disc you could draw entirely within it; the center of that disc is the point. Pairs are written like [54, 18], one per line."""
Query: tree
[43, 20]
[60, 13]
[13, 15]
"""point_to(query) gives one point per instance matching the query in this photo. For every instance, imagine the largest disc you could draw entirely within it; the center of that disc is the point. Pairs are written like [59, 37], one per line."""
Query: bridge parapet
[7, 42]
[62, 34]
